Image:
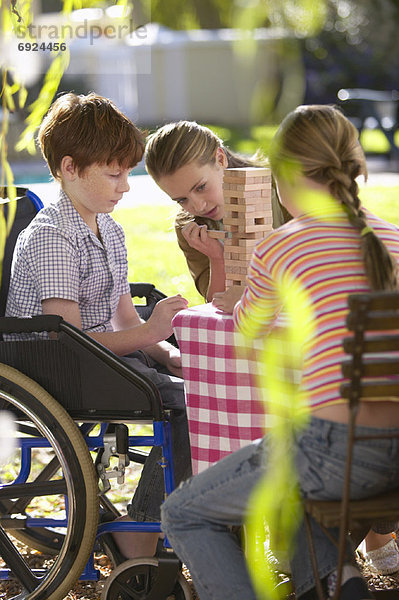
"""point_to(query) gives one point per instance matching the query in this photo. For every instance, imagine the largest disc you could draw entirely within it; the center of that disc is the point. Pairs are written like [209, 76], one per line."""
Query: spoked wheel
[70, 482]
[135, 579]
[43, 539]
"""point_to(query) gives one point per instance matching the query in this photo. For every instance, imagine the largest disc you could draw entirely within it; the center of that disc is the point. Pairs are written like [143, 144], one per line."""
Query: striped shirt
[59, 256]
[322, 255]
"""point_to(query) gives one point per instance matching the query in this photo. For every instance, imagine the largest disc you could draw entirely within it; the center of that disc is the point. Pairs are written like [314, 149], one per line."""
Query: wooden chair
[372, 370]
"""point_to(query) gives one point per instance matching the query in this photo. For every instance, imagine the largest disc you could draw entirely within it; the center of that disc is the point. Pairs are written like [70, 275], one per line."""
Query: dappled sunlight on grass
[382, 201]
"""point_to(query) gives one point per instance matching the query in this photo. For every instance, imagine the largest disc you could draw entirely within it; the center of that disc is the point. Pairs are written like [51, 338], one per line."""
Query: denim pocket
[321, 462]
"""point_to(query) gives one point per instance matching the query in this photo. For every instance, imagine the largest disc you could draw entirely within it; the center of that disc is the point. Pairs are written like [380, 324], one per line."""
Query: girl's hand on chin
[197, 237]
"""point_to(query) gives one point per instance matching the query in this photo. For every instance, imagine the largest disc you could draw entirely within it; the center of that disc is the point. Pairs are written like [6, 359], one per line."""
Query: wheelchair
[72, 401]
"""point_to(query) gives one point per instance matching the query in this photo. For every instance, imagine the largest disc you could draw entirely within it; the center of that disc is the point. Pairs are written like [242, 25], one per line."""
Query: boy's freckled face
[98, 189]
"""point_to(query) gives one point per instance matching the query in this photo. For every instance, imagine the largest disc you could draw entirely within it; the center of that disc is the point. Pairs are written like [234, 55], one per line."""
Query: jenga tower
[247, 218]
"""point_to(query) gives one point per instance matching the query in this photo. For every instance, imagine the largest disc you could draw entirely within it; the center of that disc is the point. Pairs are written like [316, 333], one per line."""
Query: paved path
[144, 191]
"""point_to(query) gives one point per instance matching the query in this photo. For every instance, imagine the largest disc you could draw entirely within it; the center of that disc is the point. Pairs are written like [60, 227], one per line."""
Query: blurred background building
[189, 60]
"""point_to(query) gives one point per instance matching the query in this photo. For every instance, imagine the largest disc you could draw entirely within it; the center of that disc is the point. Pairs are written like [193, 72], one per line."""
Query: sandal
[385, 560]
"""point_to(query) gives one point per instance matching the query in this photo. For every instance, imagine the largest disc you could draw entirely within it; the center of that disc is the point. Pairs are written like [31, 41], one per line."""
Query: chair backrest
[28, 205]
[373, 365]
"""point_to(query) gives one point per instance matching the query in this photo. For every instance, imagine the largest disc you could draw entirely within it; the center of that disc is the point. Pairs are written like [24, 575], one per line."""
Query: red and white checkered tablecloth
[223, 403]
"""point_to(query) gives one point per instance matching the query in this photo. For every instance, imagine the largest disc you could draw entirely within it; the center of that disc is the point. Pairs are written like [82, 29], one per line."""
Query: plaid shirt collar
[77, 224]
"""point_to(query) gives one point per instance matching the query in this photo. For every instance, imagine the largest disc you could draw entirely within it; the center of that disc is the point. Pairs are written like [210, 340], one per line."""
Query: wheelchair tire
[134, 578]
[25, 396]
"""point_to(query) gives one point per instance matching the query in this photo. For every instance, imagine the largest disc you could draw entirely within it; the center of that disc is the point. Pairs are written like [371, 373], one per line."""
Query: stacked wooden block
[247, 218]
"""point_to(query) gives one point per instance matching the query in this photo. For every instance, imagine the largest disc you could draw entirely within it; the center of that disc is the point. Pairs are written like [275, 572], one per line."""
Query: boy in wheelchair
[72, 261]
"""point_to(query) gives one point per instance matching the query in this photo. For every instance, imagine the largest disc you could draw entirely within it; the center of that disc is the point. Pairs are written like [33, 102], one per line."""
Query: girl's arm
[260, 303]
[217, 277]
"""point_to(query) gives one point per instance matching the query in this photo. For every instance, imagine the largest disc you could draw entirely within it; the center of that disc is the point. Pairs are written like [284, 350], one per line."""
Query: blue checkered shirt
[58, 256]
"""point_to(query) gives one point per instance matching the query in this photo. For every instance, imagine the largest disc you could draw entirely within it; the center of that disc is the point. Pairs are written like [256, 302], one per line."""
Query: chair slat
[378, 343]
[383, 506]
[374, 301]
[377, 389]
[372, 367]
[374, 321]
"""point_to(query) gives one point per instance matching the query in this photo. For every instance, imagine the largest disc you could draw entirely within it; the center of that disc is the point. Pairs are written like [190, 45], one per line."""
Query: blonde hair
[90, 129]
[177, 144]
[324, 145]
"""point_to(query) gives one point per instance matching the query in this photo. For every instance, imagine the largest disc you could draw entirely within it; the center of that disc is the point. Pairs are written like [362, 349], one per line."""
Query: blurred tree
[203, 14]
[357, 47]
[15, 19]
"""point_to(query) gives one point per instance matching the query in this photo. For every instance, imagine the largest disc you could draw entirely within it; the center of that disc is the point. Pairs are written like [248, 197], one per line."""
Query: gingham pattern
[58, 256]
[223, 404]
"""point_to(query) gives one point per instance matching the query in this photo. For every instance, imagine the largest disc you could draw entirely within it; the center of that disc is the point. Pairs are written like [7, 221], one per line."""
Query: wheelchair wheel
[134, 579]
[37, 413]
[42, 539]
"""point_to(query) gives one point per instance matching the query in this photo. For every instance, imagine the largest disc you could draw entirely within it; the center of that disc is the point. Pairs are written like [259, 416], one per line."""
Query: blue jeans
[149, 494]
[198, 515]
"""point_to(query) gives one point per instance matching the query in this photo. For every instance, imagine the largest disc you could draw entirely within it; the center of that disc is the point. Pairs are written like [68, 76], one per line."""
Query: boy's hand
[173, 362]
[197, 236]
[227, 300]
[163, 313]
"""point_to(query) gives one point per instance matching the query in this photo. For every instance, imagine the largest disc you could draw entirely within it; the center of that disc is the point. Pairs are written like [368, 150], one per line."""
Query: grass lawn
[260, 136]
[154, 255]
[382, 201]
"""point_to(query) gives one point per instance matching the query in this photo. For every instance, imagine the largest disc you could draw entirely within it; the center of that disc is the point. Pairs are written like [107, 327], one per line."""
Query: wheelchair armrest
[146, 290]
[37, 324]
[93, 359]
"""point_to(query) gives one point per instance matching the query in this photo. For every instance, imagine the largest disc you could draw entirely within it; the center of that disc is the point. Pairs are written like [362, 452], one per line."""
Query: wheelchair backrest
[28, 205]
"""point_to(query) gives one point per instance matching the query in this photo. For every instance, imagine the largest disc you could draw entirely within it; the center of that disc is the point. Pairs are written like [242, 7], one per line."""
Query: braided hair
[323, 144]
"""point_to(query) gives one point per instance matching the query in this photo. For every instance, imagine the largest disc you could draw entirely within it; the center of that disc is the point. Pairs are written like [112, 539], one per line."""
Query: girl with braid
[331, 248]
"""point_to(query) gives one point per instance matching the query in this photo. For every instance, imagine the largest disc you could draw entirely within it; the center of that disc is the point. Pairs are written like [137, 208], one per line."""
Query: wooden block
[240, 248]
[231, 282]
[262, 208]
[246, 239]
[238, 278]
[248, 172]
[265, 193]
[242, 240]
[217, 235]
[231, 180]
[236, 262]
[247, 225]
[243, 254]
[262, 229]
[242, 194]
[242, 265]
[249, 208]
[236, 270]
[244, 187]
[231, 255]
[251, 217]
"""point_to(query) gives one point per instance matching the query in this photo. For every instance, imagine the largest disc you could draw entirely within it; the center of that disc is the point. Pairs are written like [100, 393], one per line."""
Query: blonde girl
[187, 160]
